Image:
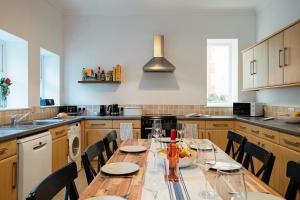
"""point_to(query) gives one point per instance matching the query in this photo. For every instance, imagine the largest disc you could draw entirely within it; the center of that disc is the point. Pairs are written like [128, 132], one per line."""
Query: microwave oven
[249, 109]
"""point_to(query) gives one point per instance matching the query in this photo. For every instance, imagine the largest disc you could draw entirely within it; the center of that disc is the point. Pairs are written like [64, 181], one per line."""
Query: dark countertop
[279, 125]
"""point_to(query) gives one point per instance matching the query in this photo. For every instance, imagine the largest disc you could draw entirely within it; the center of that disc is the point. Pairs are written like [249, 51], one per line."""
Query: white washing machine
[74, 144]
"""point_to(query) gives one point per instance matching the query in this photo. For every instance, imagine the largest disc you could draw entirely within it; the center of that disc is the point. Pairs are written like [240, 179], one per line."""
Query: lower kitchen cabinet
[60, 148]
[8, 180]
[94, 135]
[218, 137]
[8, 170]
[286, 155]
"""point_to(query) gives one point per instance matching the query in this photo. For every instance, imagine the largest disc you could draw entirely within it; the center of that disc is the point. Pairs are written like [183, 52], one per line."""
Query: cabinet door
[94, 135]
[201, 134]
[218, 137]
[247, 69]
[8, 180]
[260, 65]
[286, 155]
[276, 59]
[292, 52]
[274, 148]
[60, 152]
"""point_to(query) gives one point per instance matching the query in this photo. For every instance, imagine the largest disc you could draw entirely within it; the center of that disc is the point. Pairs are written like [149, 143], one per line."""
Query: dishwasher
[34, 162]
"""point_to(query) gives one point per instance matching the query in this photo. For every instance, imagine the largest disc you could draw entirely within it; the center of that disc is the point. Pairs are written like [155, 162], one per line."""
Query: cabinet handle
[254, 70]
[14, 175]
[253, 131]
[269, 136]
[59, 132]
[295, 144]
[220, 125]
[2, 151]
[243, 127]
[251, 62]
[103, 124]
[284, 56]
[280, 51]
[67, 147]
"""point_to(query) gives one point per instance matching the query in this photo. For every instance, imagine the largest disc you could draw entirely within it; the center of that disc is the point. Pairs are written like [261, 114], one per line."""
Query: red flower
[7, 80]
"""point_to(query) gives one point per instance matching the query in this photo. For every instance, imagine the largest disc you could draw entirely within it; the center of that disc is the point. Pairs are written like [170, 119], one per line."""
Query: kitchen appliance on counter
[71, 110]
[249, 109]
[113, 110]
[34, 161]
[102, 110]
[168, 122]
[132, 111]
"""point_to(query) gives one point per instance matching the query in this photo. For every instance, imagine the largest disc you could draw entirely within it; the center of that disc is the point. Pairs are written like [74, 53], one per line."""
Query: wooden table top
[108, 185]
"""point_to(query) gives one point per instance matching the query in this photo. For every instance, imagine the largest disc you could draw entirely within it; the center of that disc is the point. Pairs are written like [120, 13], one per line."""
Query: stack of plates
[133, 149]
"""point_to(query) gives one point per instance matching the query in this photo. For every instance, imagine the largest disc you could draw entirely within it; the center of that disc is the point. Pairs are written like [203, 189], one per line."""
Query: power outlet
[291, 110]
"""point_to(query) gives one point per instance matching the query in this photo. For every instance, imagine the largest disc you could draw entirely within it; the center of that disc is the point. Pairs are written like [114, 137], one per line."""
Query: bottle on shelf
[173, 158]
[118, 72]
[99, 73]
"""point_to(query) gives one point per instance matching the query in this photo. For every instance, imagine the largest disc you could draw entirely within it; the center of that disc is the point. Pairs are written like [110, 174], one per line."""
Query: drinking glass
[206, 158]
[231, 185]
[180, 131]
[156, 127]
[154, 148]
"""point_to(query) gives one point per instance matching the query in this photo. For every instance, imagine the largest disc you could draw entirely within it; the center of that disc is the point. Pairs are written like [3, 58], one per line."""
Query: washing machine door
[74, 147]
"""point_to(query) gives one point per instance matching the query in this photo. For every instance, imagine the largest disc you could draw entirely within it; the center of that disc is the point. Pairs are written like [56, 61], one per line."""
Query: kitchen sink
[40, 122]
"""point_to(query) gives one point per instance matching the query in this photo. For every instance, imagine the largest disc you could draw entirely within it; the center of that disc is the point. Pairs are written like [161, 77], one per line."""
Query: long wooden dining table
[104, 184]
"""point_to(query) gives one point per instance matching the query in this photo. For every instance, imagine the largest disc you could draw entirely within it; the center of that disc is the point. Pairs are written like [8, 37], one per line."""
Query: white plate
[120, 168]
[133, 149]
[260, 196]
[106, 197]
[167, 139]
[206, 147]
[226, 166]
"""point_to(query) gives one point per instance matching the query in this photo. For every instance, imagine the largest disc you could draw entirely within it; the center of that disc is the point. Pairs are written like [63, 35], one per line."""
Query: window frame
[233, 70]
[42, 70]
[3, 57]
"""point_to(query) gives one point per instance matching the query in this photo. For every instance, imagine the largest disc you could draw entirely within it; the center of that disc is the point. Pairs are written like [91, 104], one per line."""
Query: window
[49, 76]
[2, 56]
[222, 72]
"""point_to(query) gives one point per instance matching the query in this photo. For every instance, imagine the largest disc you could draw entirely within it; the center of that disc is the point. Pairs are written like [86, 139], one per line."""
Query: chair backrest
[234, 138]
[55, 182]
[93, 151]
[292, 171]
[267, 158]
[110, 138]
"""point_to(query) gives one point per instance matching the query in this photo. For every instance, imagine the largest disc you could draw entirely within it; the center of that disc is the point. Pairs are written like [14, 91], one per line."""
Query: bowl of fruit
[292, 118]
[186, 156]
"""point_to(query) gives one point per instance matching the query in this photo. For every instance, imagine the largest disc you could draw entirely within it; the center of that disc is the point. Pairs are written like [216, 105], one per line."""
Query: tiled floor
[80, 182]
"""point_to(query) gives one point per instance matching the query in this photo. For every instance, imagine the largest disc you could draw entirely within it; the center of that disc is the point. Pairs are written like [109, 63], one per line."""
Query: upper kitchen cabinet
[276, 50]
[247, 69]
[274, 62]
[292, 55]
[260, 65]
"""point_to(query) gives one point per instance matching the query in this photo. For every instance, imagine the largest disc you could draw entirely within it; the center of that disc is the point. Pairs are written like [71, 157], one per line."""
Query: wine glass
[231, 185]
[180, 131]
[206, 158]
[154, 148]
[156, 127]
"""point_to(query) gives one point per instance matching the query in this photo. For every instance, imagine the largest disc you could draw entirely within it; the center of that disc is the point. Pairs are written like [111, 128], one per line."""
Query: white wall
[108, 40]
[271, 18]
[41, 25]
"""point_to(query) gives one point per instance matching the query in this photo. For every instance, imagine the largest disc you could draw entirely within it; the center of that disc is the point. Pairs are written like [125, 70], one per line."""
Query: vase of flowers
[4, 91]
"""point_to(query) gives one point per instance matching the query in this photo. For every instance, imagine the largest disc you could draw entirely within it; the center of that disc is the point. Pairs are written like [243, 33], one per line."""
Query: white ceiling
[154, 6]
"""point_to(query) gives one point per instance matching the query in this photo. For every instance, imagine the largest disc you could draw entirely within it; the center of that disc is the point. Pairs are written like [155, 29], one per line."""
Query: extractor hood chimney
[158, 63]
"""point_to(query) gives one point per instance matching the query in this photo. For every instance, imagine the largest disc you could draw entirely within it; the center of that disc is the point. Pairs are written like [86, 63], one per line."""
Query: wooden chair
[110, 138]
[234, 138]
[55, 182]
[96, 150]
[292, 171]
[267, 158]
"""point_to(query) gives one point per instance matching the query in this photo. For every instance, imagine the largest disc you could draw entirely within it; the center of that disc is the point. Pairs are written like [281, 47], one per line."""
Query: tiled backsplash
[38, 113]
[275, 111]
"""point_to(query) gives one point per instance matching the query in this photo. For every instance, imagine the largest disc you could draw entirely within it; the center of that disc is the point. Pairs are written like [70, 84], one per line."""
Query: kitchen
[73, 72]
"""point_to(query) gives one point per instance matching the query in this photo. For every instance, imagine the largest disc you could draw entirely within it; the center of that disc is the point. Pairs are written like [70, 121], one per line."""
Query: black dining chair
[235, 138]
[55, 182]
[267, 158]
[93, 151]
[110, 139]
[292, 171]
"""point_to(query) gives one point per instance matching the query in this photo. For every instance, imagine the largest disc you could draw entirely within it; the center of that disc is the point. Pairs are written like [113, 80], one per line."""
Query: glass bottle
[173, 157]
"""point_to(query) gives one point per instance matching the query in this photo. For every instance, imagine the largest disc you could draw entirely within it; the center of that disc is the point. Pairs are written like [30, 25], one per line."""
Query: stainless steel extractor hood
[159, 63]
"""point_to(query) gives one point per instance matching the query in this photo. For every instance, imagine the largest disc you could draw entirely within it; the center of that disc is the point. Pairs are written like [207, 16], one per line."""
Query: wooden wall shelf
[101, 82]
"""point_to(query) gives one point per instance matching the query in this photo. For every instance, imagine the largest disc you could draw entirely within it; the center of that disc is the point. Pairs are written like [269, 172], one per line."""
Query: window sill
[13, 109]
[216, 105]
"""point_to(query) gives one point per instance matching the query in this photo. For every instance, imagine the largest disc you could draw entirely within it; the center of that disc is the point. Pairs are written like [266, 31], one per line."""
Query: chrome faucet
[15, 119]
